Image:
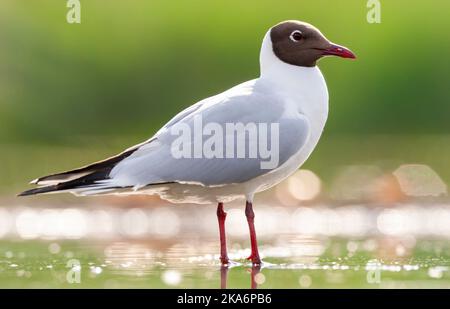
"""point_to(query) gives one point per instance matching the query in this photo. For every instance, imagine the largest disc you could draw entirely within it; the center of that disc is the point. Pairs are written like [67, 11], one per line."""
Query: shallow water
[291, 262]
[406, 246]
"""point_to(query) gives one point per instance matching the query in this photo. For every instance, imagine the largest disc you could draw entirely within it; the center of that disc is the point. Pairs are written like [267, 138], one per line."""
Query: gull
[290, 96]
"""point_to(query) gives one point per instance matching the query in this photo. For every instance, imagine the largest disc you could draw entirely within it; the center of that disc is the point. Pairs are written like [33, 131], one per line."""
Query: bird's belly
[194, 193]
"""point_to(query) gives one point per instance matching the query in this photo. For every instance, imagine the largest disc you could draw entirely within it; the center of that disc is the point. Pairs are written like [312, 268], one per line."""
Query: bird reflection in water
[254, 271]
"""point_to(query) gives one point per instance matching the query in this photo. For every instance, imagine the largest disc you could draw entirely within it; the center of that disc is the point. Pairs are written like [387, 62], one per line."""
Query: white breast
[304, 89]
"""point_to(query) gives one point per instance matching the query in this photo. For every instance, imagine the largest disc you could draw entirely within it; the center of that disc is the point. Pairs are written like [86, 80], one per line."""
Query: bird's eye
[296, 36]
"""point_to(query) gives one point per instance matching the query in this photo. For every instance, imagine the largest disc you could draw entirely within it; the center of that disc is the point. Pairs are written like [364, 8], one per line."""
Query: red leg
[221, 216]
[254, 257]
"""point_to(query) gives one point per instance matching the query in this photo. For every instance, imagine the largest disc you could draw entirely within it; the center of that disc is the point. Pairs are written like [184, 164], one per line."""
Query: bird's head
[301, 44]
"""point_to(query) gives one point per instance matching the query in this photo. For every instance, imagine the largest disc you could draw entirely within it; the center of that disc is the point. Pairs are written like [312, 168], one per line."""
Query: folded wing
[156, 162]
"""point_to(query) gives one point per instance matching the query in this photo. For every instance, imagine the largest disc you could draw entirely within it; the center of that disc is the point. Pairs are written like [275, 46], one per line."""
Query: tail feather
[78, 179]
[75, 184]
[83, 171]
[41, 190]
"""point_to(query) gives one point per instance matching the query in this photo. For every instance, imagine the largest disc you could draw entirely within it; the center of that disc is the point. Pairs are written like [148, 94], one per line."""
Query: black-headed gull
[232, 145]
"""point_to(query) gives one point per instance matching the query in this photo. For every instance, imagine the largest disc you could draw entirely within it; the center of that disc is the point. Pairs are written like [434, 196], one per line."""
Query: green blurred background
[73, 93]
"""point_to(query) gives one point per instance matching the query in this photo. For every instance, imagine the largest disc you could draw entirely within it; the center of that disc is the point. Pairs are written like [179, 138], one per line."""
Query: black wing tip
[37, 191]
[26, 193]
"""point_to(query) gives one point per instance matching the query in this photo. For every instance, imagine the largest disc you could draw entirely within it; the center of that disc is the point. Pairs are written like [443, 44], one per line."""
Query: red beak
[340, 51]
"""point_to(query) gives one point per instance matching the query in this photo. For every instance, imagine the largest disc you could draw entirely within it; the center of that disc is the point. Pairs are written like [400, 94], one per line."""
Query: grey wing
[158, 161]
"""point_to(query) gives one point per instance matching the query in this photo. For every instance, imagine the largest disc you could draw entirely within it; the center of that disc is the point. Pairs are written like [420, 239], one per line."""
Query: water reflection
[291, 261]
[334, 258]
[254, 274]
[223, 276]
[302, 247]
[256, 277]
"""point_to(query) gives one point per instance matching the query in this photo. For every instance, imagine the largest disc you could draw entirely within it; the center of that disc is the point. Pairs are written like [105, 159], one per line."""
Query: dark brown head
[302, 44]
